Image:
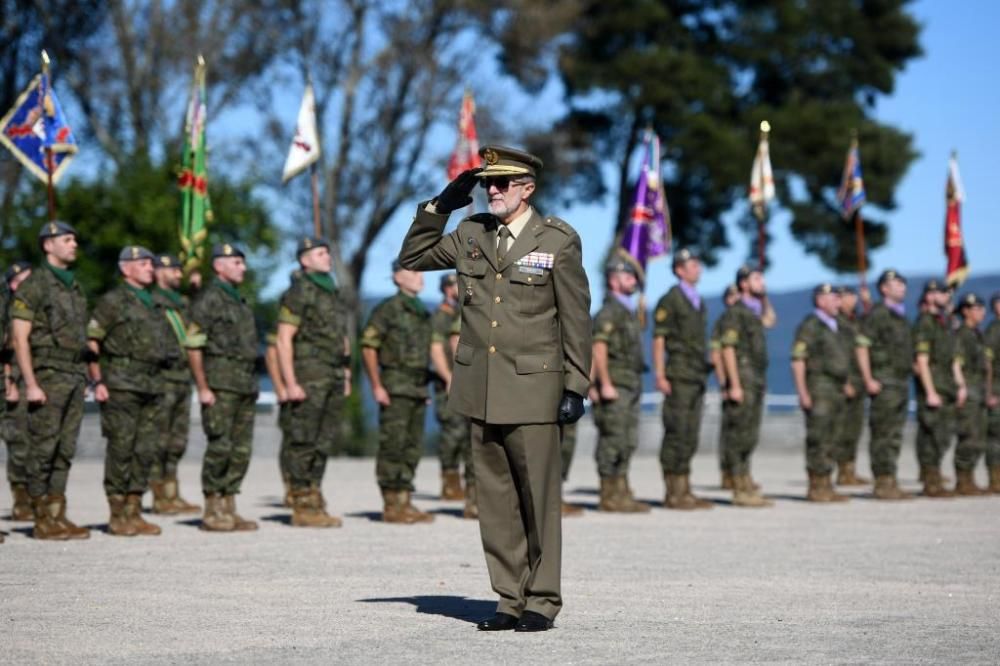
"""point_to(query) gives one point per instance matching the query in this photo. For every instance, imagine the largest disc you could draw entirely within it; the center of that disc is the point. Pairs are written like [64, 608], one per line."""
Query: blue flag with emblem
[36, 132]
[852, 187]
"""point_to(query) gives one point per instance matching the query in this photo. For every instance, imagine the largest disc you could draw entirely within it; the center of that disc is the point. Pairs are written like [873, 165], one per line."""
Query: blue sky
[948, 99]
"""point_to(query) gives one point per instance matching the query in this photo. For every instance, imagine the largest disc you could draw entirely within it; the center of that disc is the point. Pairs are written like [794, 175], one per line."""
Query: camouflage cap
[166, 261]
[970, 300]
[745, 271]
[503, 161]
[682, 255]
[226, 250]
[16, 268]
[56, 228]
[890, 274]
[448, 279]
[823, 288]
[134, 253]
[620, 265]
[308, 243]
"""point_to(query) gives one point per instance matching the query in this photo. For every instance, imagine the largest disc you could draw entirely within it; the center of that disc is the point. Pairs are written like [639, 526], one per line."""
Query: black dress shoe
[499, 622]
[532, 621]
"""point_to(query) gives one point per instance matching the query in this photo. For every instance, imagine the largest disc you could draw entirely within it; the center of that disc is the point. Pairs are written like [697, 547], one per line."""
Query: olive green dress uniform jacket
[526, 329]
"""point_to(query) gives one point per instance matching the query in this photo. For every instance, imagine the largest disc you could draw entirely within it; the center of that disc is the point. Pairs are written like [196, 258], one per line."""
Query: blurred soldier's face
[410, 282]
[61, 249]
[138, 273]
[754, 284]
[169, 277]
[894, 290]
[731, 297]
[451, 291]
[996, 309]
[16, 281]
[942, 299]
[230, 269]
[507, 197]
[848, 302]
[689, 271]
[828, 303]
[975, 314]
[316, 260]
[623, 283]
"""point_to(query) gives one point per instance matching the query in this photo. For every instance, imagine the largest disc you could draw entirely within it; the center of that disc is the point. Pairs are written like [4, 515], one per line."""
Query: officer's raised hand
[458, 193]
[570, 408]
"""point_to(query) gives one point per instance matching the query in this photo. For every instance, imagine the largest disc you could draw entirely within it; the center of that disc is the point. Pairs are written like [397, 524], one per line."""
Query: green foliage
[703, 75]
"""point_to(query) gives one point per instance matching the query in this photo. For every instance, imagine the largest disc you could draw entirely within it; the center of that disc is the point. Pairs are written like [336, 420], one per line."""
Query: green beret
[134, 253]
[971, 300]
[890, 274]
[15, 268]
[448, 279]
[823, 288]
[226, 250]
[682, 255]
[744, 272]
[56, 228]
[309, 242]
[166, 261]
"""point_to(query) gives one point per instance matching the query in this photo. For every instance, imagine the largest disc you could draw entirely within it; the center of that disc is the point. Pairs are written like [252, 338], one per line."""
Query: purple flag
[647, 235]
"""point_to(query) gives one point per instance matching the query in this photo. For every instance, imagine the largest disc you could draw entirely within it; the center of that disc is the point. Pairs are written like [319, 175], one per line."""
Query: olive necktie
[503, 233]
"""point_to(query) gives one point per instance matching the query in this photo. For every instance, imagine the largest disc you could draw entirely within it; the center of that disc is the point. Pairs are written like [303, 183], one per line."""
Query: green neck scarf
[229, 289]
[172, 295]
[414, 302]
[64, 275]
[143, 294]
[322, 280]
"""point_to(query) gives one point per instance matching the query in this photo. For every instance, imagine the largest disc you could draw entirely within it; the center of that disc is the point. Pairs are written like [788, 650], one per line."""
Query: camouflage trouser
[681, 426]
[133, 424]
[970, 423]
[823, 428]
[174, 436]
[617, 433]
[400, 442]
[851, 423]
[15, 430]
[314, 430]
[935, 428]
[228, 426]
[741, 428]
[454, 444]
[886, 418]
[53, 429]
[284, 425]
[993, 438]
[567, 446]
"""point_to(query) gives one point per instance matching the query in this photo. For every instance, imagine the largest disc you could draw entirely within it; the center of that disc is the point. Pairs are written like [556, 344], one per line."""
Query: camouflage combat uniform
[13, 416]
[974, 356]
[936, 426]
[176, 389]
[743, 331]
[853, 420]
[454, 444]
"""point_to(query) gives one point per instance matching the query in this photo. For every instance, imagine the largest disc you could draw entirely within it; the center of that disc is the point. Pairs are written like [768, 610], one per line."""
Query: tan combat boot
[215, 518]
[627, 502]
[817, 491]
[415, 514]
[965, 484]
[161, 499]
[451, 485]
[676, 497]
[308, 512]
[392, 510]
[118, 523]
[173, 491]
[609, 495]
[57, 512]
[133, 512]
[827, 480]
[726, 481]
[887, 488]
[699, 503]
[240, 524]
[932, 483]
[46, 528]
[995, 479]
[847, 475]
[471, 510]
[744, 493]
[21, 511]
[287, 501]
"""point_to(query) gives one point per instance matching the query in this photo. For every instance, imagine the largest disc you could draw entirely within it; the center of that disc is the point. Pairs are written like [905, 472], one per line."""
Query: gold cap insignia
[135, 252]
[308, 243]
[53, 229]
[491, 156]
[165, 261]
[227, 249]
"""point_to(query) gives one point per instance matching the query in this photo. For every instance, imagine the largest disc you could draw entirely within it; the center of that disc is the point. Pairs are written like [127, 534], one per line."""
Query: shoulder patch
[661, 314]
[608, 327]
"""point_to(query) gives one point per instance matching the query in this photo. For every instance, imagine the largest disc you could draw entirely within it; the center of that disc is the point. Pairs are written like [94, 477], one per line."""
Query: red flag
[954, 246]
[466, 153]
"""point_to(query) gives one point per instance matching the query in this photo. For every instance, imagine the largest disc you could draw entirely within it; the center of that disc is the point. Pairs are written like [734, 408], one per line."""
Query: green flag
[196, 208]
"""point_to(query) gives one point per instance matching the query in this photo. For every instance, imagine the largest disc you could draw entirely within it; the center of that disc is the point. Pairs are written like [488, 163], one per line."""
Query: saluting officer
[522, 368]
[222, 351]
[314, 356]
[49, 328]
[14, 409]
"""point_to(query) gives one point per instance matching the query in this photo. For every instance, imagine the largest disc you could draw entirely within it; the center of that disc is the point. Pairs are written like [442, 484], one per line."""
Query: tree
[703, 75]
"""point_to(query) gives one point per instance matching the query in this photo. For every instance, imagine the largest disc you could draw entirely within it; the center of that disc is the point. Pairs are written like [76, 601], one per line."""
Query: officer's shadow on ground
[456, 608]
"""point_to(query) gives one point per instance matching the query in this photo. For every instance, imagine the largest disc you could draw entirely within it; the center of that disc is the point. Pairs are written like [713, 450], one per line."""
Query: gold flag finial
[45, 61]
[765, 126]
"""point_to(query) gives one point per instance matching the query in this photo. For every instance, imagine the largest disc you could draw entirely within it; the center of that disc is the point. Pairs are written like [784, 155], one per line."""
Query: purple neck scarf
[831, 322]
[898, 308]
[754, 304]
[691, 294]
[625, 301]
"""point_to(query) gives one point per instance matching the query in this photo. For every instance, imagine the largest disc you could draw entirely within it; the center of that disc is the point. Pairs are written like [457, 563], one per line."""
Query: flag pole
[314, 177]
[761, 210]
[49, 162]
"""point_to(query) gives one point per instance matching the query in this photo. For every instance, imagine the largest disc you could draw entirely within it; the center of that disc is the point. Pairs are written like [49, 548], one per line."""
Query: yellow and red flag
[954, 245]
[466, 153]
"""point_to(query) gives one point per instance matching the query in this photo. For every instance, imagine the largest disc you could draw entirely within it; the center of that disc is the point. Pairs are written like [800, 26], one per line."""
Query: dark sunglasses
[502, 183]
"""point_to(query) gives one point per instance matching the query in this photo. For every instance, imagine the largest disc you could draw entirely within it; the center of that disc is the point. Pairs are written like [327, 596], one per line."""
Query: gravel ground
[865, 581]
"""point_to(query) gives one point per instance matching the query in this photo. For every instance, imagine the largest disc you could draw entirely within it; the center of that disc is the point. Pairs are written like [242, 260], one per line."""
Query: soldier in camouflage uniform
[821, 357]
[395, 347]
[853, 421]
[884, 352]
[314, 355]
[284, 412]
[938, 391]
[992, 340]
[744, 354]
[974, 358]
[133, 340]
[454, 443]
[616, 373]
[729, 298]
[14, 409]
[49, 329]
[681, 370]
[176, 392]
[222, 351]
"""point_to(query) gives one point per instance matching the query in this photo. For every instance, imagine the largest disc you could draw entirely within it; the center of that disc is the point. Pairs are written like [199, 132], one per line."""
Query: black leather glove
[570, 408]
[458, 193]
